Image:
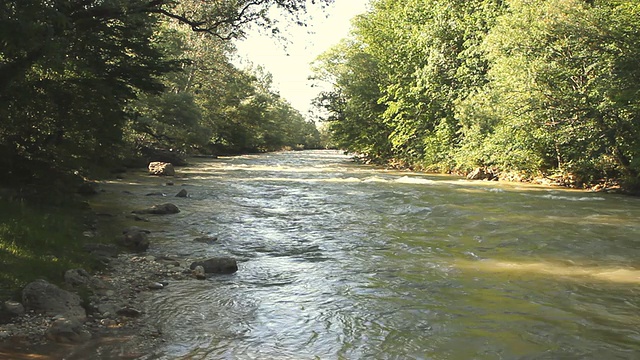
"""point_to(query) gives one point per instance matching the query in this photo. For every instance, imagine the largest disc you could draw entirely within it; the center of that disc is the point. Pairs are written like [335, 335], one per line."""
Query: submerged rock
[206, 239]
[218, 265]
[182, 193]
[161, 209]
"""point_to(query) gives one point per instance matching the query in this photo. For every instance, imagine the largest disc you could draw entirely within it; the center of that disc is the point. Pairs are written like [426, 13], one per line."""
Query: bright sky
[291, 66]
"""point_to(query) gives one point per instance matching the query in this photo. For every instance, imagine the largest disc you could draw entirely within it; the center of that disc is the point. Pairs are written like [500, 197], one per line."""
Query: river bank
[113, 295]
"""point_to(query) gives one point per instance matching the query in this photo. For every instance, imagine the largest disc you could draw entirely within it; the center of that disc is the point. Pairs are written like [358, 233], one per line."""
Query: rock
[13, 308]
[156, 194]
[80, 277]
[102, 250]
[156, 286]
[88, 188]
[161, 209]
[67, 331]
[219, 265]
[107, 309]
[135, 238]
[206, 239]
[129, 312]
[161, 168]
[77, 277]
[481, 174]
[42, 297]
[170, 183]
[199, 273]
[182, 193]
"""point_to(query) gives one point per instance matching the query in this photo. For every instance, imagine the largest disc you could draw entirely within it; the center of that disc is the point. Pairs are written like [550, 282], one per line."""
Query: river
[344, 261]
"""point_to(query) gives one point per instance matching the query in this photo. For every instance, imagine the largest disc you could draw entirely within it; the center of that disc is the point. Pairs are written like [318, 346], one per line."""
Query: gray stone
[161, 209]
[161, 168]
[182, 193]
[80, 277]
[13, 308]
[107, 309]
[129, 312]
[218, 265]
[101, 250]
[48, 299]
[156, 286]
[199, 273]
[67, 331]
[156, 194]
[135, 238]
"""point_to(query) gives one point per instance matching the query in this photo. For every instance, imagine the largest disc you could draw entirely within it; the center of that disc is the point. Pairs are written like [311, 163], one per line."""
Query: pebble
[156, 286]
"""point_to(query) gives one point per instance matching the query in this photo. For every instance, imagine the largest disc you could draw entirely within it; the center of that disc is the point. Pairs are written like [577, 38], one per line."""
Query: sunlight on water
[344, 261]
[568, 271]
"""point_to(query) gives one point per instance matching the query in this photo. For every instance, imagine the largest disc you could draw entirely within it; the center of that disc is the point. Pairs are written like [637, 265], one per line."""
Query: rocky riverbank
[101, 315]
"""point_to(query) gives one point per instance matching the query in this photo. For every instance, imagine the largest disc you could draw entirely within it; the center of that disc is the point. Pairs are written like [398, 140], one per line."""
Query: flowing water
[343, 261]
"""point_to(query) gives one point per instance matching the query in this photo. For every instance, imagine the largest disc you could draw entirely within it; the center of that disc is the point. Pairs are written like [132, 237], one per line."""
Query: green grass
[39, 242]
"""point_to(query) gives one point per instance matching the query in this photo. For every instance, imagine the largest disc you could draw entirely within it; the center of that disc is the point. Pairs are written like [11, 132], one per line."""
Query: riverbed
[344, 261]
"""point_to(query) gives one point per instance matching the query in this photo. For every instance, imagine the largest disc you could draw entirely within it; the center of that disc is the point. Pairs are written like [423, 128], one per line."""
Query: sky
[290, 67]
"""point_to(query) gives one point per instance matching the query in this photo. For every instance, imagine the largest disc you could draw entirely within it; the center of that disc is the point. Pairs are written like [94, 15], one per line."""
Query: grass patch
[39, 242]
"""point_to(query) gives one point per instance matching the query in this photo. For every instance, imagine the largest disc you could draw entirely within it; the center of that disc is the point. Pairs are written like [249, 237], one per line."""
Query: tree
[75, 74]
[562, 101]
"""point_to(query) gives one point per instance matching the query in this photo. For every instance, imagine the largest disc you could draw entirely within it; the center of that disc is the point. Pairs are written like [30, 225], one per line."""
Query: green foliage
[82, 81]
[38, 242]
[531, 86]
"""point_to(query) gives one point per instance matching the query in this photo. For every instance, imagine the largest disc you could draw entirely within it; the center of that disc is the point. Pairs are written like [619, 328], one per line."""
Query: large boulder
[161, 168]
[161, 209]
[45, 298]
[135, 238]
[218, 265]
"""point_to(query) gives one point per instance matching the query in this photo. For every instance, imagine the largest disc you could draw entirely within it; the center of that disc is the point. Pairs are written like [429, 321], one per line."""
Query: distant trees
[538, 87]
[82, 81]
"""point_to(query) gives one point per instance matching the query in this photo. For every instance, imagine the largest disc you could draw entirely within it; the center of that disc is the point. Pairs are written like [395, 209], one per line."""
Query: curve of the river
[343, 261]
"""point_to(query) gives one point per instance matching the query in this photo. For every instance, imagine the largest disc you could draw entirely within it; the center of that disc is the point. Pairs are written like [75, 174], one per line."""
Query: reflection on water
[555, 269]
[345, 261]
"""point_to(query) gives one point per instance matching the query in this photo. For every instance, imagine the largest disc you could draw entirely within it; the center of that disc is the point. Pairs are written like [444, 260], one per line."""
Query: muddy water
[338, 260]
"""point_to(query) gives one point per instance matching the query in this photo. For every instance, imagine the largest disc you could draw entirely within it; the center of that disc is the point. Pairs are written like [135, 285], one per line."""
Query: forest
[86, 85]
[524, 89]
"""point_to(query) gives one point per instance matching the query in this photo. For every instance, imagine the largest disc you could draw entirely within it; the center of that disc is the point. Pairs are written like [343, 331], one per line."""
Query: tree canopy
[84, 80]
[537, 88]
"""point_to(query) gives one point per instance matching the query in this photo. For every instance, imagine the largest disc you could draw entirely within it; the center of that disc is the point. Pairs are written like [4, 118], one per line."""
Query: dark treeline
[528, 88]
[87, 83]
